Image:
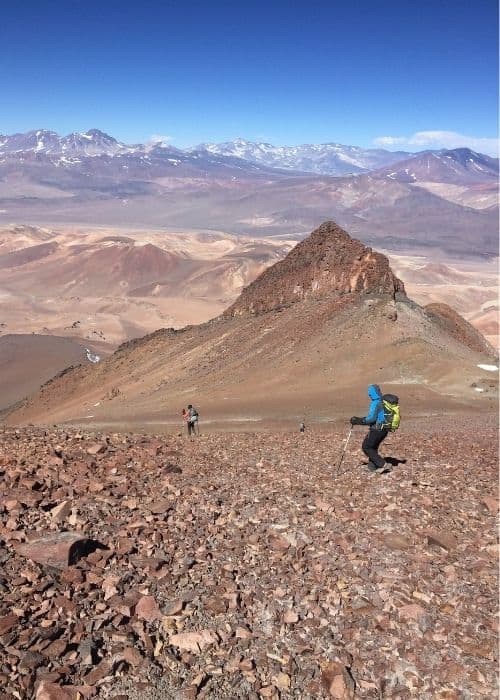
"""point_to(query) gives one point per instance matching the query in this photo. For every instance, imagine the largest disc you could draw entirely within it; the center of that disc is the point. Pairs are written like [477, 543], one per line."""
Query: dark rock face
[327, 263]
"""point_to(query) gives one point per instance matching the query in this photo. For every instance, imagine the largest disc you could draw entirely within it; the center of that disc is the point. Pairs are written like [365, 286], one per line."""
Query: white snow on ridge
[91, 357]
[489, 368]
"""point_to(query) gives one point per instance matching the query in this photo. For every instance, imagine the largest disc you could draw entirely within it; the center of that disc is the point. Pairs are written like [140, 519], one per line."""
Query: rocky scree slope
[326, 319]
[244, 567]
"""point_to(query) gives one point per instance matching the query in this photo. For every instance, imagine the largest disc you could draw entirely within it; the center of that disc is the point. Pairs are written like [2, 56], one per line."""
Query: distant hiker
[302, 426]
[185, 418]
[382, 417]
[192, 421]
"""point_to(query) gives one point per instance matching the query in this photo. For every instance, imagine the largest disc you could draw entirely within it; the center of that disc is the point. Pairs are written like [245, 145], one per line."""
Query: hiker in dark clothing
[192, 420]
[377, 432]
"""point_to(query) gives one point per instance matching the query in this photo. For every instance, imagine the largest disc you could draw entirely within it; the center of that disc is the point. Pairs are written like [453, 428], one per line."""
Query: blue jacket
[375, 413]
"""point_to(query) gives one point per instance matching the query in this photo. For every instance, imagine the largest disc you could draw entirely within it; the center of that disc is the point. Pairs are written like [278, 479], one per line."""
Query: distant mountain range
[457, 166]
[446, 198]
[321, 159]
[324, 159]
[90, 143]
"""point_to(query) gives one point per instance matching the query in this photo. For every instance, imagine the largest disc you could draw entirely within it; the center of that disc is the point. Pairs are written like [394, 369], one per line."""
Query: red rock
[147, 609]
[216, 605]
[491, 503]
[95, 486]
[96, 448]
[132, 656]
[195, 642]
[282, 681]
[342, 584]
[174, 608]
[25, 497]
[443, 539]
[7, 623]
[246, 665]
[11, 504]
[159, 507]
[449, 694]
[290, 617]
[124, 604]
[493, 551]
[102, 670]
[52, 691]
[395, 541]
[124, 545]
[72, 575]
[61, 511]
[59, 550]
[29, 661]
[337, 681]
[411, 612]
[280, 543]
[56, 649]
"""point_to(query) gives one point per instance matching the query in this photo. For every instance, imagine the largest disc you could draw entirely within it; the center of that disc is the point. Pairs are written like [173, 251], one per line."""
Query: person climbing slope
[382, 417]
[193, 426]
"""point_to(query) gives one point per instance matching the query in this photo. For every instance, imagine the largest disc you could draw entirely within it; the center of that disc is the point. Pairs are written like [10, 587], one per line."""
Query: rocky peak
[328, 263]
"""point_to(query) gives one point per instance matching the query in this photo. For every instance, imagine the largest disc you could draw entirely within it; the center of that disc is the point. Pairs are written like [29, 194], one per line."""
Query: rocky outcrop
[327, 263]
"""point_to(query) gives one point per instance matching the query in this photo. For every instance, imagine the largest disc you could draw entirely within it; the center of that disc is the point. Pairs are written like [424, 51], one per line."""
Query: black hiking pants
[370, 446]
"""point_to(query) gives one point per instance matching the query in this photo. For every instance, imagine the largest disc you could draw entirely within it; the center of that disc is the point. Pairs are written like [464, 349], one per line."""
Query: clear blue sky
[282, 71]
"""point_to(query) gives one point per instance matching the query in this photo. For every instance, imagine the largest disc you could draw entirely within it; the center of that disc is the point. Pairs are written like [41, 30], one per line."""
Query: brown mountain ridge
[303, 339]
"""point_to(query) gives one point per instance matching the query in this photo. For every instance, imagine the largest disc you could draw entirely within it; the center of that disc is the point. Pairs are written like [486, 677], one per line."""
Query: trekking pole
[343, 450]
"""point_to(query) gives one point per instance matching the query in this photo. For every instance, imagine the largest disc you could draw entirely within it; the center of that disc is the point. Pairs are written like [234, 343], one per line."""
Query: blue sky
[402, 74]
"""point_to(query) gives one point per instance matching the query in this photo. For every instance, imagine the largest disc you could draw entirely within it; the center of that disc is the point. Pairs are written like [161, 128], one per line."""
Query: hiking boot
[372, 467]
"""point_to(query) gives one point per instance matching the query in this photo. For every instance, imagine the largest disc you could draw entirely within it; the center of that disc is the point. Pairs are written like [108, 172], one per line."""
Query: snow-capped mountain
[90, 143]
[93, 158]
[323, 159]
[332, 159]
[457, 166]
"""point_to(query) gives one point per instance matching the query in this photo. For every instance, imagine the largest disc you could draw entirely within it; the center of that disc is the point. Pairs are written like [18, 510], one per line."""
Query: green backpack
[390, 404]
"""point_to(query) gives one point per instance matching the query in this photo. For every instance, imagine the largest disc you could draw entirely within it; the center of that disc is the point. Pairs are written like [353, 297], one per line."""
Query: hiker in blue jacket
[377, 432]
